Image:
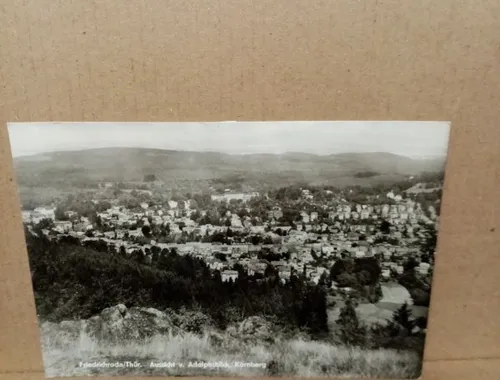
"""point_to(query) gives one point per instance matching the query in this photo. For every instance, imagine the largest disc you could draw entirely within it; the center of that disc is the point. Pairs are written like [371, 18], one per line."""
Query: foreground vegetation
[294, 357]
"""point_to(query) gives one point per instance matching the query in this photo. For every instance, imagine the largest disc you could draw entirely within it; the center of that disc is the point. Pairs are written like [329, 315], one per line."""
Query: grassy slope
[292, 357]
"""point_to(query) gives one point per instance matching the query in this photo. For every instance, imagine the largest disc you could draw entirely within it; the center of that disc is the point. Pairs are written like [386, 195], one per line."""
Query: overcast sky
[414, 139]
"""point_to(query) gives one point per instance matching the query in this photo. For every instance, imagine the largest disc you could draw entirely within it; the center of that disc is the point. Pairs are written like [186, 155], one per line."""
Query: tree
[421, 322]
[420, 297]
[324, 280]
[203, 200]
[385, 227]
[196, 215]
[98, 222]
[364, 277]
[256, 239]
[146, 231]
[60, 213]
[347, 280]
[182, 205]
[370, 265]
[270, 271]
[268, 240]
[93, 217]
[340, 267]
[351, 332]
[314, 309]
[430, 243]
[289, 216]
[425, 258]
[220, 256]
[242, 213]
[218, 237]
[410, 264]
[123, 252]
[138, 256]
[45, 224]
[403, 318]
[103, 206]
[149, 178]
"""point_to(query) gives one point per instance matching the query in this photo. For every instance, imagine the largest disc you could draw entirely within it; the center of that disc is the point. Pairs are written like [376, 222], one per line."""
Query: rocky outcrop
[114, 324]
[256, 328]
[120, 325]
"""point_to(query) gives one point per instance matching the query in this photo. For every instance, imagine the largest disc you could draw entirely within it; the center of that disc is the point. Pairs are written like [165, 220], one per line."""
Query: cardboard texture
[171, 60]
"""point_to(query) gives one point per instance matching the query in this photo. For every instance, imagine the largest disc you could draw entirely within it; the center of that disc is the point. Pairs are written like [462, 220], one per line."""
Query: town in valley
[292, 230]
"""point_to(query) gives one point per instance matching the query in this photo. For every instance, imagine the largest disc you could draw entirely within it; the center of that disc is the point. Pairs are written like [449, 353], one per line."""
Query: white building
[45, 212]
[229, 275]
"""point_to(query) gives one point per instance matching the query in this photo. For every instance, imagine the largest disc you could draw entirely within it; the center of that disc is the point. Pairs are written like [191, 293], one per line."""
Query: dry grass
[292, 357]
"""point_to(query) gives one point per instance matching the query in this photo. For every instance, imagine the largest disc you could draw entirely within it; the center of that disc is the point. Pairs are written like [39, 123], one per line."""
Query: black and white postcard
[232, 248]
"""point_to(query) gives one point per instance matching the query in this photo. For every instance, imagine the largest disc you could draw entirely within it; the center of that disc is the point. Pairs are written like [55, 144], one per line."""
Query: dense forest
[72, 281]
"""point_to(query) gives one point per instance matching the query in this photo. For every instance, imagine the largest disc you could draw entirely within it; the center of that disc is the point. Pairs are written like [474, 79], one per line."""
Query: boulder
[255, 327]
[115, 324]
[149, 321]
[118, 323]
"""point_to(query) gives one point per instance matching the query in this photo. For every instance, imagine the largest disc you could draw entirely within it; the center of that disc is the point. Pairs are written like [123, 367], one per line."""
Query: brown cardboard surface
[165, 60]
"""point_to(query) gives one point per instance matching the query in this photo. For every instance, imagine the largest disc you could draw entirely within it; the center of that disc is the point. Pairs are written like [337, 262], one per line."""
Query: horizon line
[415, 157]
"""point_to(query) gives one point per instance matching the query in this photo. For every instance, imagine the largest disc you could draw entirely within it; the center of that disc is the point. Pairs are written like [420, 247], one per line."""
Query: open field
[393, 296]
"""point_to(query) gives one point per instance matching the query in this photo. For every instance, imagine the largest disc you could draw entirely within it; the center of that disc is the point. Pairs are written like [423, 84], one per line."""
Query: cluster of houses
[344, 236]
[406, 212]
[228, 196]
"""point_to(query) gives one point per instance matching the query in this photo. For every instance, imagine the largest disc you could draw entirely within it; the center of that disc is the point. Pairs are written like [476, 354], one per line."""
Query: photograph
[232, 248]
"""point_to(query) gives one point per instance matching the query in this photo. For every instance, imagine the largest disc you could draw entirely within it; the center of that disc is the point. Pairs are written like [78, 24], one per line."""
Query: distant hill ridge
[133, 163]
